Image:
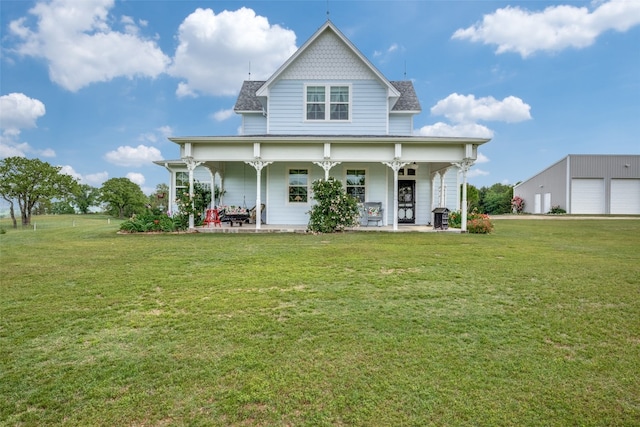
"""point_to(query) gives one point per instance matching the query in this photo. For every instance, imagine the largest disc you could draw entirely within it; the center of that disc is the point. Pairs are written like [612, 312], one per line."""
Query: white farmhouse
[327, 111]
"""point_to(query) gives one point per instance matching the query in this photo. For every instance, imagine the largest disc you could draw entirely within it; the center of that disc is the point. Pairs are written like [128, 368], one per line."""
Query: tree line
[494, 200]
[38, 187]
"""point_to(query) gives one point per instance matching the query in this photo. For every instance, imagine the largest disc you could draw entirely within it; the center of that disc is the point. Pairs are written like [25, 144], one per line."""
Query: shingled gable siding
[328, 61]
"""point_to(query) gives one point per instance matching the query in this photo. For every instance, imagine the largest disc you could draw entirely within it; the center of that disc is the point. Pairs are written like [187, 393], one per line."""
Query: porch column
[169, 210]
[212, 174]
[396, 165]
[191, 166]
[326, 165]
[464, 166]
[443, 189]
[258, 165]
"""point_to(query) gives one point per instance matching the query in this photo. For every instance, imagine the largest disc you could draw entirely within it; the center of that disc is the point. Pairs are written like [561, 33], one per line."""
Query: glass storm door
[406, 202]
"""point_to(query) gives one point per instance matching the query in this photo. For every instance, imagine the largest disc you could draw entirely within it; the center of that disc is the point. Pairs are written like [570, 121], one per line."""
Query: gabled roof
[248, 101]
[328, 26]
[408, 101]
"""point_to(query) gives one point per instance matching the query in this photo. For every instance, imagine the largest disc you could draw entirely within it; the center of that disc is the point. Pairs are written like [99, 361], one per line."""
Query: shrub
[517, 204]
[455, 219]
[476, 222]
[151, 221]
[557, 210]
[335, 210]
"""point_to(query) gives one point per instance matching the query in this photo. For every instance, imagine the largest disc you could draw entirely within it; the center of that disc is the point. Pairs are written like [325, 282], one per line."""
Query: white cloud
[148, 137]
[386, 55]
[468, 109]
[464, 111]
[133, 156]
[165, 131]
[68, 170]
[10, 148]
[482, 158]
[514, 29]
[47, 152]
[18, 111]
[80, 47]
[161, 133]
[475, 172]
[470, 130]
[240, 37]
[222, 115]
[94, 180]
[136, 178]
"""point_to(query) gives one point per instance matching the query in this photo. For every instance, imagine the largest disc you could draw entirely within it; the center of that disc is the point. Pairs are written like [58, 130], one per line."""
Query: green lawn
[535, 324]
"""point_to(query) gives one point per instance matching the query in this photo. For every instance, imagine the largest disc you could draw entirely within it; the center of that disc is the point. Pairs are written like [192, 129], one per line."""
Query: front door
[406, 202]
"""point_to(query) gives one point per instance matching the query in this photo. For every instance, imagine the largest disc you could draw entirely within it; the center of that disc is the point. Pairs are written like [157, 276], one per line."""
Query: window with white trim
[298, 185]
[182, 183]
[337, 103]
[315, 102]
[356, 184]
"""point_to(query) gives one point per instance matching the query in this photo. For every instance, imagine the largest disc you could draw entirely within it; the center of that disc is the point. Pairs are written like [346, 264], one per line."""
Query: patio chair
[212, 217]
[252, 219]
[373, 212]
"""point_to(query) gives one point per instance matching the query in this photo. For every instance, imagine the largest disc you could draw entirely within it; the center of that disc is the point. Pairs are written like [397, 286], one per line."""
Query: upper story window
[315, 103]
[356, 184]
[298, 185]
[337, 102]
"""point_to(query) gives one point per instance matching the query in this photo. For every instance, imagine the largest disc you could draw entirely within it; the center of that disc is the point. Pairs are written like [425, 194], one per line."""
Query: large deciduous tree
[84, 197]
[32, 181]
[122, 196]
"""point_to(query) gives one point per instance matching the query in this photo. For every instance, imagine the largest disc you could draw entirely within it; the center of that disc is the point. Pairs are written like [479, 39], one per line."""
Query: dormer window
[337, 103]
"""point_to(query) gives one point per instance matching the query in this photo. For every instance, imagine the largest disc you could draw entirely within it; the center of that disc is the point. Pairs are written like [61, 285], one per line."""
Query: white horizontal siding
[368, 110]
[400, 124]
[279, 210]
[240, 183]
[254, 124]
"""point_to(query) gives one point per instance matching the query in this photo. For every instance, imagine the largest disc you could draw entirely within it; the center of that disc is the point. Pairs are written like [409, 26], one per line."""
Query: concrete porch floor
[280, 228]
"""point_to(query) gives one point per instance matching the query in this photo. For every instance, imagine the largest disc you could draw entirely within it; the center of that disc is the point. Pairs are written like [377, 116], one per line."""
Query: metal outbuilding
[585, 184]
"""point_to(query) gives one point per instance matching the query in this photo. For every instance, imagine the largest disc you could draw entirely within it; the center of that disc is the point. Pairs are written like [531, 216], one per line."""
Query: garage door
[625, 196]
[587, 196]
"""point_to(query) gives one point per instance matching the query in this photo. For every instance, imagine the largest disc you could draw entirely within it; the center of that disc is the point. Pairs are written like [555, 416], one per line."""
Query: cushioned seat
[373, 212]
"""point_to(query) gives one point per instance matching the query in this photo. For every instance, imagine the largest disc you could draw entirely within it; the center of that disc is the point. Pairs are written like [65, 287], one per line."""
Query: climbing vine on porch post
[258, 165]
[191, 166]
[396, 165]
[464, 166]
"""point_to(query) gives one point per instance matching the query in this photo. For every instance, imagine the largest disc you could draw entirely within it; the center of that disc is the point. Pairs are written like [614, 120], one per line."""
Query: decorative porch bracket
[396, 165]
[191, 166]
[326, 165]
[258, 165]
[464, 167]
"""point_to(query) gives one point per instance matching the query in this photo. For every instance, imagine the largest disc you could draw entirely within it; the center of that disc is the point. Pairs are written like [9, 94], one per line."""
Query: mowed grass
[535, 324]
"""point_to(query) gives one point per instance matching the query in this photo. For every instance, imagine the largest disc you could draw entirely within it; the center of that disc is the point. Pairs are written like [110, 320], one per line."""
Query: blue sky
[97, 86]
